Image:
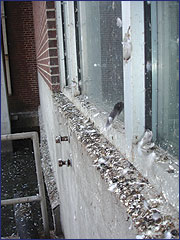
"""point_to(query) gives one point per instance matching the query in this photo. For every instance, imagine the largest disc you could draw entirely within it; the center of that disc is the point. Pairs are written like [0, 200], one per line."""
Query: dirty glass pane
[148, 65]
[101, 52]
[166, 45]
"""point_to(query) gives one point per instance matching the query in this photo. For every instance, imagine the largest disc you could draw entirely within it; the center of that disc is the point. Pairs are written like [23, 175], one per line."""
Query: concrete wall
[50, 125]
[5, 121]
[87, 208]
[91, 204]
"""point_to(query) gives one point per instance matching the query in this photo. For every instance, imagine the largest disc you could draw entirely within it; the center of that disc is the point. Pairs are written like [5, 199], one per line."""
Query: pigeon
[118, 107]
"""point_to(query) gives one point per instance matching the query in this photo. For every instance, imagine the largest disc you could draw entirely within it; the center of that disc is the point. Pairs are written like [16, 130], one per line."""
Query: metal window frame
[60, 44]
[134, 72]
[154, 69]
[41, 196]
[70, 41]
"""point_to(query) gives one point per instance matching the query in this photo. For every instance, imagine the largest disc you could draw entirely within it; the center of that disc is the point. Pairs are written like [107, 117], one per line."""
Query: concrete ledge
[151, 215]
[155, 170]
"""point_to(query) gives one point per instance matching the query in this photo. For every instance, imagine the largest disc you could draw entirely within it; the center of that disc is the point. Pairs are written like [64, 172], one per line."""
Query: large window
[165, 74]
[90, 36]
[101, 60]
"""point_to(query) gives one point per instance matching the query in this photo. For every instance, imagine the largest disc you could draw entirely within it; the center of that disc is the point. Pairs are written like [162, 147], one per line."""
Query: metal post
[4, 35]
[40, 184]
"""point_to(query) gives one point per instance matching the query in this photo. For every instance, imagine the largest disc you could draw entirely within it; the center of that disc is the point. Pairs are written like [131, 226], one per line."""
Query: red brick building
[32, 48]
[46, 42]
[22, 57]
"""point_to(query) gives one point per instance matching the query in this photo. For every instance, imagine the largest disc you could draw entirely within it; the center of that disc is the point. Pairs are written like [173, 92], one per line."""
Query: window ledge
[163, 173]
[135, 192]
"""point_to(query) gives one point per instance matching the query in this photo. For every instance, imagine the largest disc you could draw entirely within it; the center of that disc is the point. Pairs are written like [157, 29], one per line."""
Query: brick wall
[22, 55]
[46, 42]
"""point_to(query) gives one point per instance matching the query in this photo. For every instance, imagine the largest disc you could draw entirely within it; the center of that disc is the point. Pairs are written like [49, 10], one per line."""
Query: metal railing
[41, 196]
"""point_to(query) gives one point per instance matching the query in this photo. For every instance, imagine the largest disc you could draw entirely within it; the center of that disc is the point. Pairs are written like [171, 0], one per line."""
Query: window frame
[125, 136]
[154, 71]
[70, 41]
[134, 94]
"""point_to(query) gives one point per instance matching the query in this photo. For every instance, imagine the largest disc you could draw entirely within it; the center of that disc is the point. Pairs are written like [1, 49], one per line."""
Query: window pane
[167, 35]
[101, 52]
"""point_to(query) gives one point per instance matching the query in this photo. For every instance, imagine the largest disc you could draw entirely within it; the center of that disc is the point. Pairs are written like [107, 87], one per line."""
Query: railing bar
[21, 200]
[35, 139]
[17, 136]
[41, 184]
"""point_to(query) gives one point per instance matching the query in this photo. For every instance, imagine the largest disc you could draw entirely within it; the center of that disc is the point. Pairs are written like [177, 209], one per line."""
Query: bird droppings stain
[150, 213]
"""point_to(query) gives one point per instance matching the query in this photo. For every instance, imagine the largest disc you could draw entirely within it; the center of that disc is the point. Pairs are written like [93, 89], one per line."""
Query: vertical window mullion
[60, 38]
[77, 31]
[134, 72]
[71, 47]
[154, 68]
[65, 15]
[82, 45]
[128, 98]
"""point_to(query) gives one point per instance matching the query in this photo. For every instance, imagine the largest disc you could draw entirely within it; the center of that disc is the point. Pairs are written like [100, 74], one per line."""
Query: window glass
[148, 66]
[101, 52]
[165, 74]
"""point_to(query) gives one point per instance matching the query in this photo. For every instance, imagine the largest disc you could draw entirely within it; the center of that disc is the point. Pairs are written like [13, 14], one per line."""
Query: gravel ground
[18, 176]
